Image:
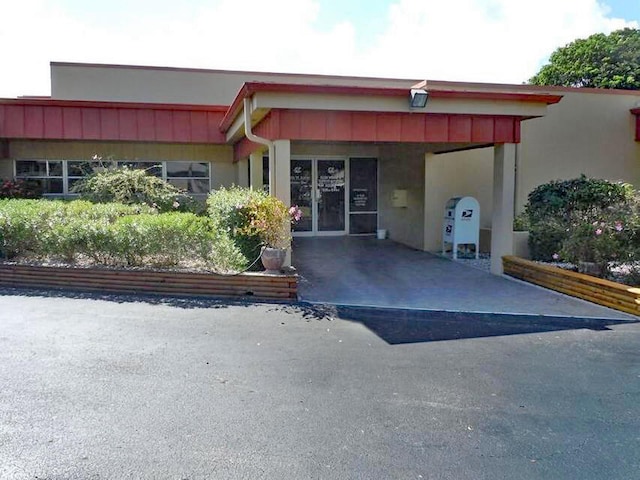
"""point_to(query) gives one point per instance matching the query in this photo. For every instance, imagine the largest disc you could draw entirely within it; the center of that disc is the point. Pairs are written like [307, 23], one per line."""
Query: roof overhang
[47, 119]
[267, 96]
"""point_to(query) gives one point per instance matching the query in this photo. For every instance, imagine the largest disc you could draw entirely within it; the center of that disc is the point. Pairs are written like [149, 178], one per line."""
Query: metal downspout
[263, 141]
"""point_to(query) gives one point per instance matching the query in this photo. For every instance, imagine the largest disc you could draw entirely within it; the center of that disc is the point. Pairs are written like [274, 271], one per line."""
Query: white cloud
[482, 40]
[485, 40]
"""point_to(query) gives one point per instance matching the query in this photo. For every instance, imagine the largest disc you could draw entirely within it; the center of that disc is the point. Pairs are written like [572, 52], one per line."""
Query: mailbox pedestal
[461, 224]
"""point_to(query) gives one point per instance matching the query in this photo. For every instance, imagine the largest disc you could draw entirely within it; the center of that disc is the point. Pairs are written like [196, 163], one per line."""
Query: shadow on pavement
[305, 310]
[393, 325]
[398, 326]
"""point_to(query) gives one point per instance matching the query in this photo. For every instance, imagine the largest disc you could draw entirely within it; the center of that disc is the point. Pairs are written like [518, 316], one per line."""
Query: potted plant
[270, 220]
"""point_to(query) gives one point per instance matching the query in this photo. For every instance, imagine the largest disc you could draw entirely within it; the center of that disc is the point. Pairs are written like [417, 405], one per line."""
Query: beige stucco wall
[223, 171]
[457, 174]
[590, 133]
[6, 169]
[402, 168]
[166, 85]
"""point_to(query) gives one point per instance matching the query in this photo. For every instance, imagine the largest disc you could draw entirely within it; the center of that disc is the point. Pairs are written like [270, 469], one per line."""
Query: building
[353, 153]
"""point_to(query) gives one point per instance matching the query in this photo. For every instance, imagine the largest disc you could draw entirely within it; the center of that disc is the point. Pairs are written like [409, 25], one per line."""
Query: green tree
[599, 61]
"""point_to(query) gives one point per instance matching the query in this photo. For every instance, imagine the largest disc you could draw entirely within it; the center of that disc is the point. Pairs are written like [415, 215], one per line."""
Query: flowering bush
[252, 218]
[133, 186]
[19, 189]
[555, 208]
[270, 221]
[599, 242]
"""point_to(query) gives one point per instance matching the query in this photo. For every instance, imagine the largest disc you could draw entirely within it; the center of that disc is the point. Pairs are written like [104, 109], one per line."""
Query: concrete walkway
[381, 273]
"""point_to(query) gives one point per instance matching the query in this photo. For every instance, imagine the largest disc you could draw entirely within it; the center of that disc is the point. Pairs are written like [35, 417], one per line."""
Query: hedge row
[113, 234]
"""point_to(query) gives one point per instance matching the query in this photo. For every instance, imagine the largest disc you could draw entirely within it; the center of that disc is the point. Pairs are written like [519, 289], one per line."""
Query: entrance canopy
[285, 117]
[373, 114]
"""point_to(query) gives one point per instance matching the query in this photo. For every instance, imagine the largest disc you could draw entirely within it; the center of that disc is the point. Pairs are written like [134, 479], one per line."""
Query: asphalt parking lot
[147, 388]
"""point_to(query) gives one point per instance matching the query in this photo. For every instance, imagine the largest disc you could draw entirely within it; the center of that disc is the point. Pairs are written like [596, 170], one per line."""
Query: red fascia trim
[367, 127]
[497, 96]
[98, 104]
[249, 88]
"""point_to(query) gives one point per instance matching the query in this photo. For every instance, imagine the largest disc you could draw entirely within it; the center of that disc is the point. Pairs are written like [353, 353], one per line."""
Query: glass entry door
[318, 187]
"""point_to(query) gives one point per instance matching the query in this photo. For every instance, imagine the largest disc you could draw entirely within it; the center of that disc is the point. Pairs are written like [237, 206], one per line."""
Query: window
[57, 177]
[48, 174]
[190, 176]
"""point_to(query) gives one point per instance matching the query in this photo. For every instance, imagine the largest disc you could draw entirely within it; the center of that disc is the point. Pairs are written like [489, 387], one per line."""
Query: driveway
[147, 388]
[370, 272]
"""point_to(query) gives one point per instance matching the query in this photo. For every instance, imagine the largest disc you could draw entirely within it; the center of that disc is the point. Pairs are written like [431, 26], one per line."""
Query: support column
[282, 172]
[432, 209]
[242, 172]
[280, 177]
[504, 164]
[255, 161]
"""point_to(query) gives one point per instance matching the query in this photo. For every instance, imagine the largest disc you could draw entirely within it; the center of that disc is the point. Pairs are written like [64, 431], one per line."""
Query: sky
[501, 41]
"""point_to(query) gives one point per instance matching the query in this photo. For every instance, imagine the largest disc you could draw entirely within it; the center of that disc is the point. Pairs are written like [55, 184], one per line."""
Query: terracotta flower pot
[273, 259]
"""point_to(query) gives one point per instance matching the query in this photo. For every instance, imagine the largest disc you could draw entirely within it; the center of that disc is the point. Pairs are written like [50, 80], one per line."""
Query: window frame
[66, 177]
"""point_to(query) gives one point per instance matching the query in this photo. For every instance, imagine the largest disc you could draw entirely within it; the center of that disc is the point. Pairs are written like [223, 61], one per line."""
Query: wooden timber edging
[597, 290]
[245, 285]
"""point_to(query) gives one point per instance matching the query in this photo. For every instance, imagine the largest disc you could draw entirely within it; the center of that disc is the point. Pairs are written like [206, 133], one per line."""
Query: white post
[255, 160]
[242, 172]
[504, 163]
[282, 174]
[280, 177]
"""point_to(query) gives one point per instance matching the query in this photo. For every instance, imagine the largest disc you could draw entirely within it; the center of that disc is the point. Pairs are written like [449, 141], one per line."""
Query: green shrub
[583, 195]
[228, 211]
[599, 242]
[555, 208]
[53, 227]
[113, 234]
[133, 186]
[545, 238]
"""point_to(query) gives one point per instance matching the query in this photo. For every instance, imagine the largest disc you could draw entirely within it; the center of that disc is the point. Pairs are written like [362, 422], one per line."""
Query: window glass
[188, 169]
[363, 185]
[191, 185]
[50, 174]
[81, 168]
[152, 168]
[31, 168]
[49, 185]
[55, 168]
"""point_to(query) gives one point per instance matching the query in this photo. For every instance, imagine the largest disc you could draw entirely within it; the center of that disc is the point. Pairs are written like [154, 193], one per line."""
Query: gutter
[263, 141]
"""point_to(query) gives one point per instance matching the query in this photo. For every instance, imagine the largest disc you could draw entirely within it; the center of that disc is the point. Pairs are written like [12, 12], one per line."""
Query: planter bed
[166, 282]
[597, 290]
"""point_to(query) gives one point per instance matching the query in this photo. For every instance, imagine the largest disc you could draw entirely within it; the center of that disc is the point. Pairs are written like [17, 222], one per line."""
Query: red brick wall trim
[252, 285]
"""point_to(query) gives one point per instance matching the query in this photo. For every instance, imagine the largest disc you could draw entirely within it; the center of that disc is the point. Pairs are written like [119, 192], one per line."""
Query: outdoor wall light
[419, 97]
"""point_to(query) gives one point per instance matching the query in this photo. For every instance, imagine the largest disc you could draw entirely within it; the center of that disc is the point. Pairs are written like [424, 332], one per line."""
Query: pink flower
[618, 226]
[555, 256]
[599, 231]
[295, 213]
